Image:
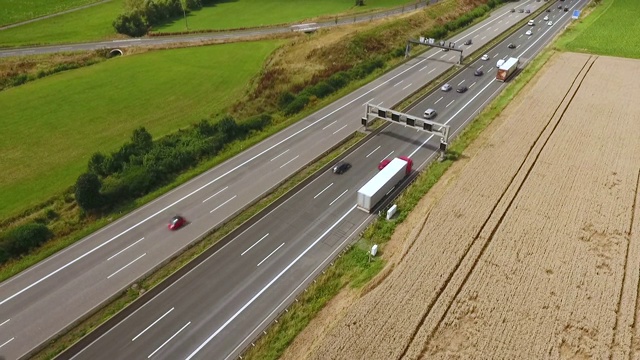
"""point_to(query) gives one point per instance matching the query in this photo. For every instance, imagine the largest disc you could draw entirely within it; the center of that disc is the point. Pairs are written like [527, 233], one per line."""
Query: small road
[201, 37]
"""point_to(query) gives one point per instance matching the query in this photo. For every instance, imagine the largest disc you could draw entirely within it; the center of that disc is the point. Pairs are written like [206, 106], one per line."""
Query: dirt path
[531, 251]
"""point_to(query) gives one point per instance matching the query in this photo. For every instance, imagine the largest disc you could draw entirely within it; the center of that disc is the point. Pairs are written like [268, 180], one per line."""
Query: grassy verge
[607, 31]
[17, 11]
[223, 15]
[84, 25]
[178, 87]
[134, 292]
[353, 268]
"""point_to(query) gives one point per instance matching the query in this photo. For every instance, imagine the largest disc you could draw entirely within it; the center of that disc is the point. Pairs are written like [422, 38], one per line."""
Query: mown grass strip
[17, 11]
[354, 268]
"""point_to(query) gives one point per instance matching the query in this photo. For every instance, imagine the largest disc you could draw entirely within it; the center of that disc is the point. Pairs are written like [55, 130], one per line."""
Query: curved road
[103, 264]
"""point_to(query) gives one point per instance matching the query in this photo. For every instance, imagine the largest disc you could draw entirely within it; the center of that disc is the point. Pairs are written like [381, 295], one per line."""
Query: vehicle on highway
[548, 10]
[528, 11]
[507, 69]
[520, 10]
[566, 8]
[546, 18]
[341, 167]
[513, 10]
[499, 63]
[462, 89]
[550, 23]
[177, 222]
[485, 57]
[531, 23]
[468, 42]
[560, 6]
[512, 46]
[383, 163]
[383, 182]
[478, 72]
[529, 33]
[445, 49]
[445, 87]
[430, 114]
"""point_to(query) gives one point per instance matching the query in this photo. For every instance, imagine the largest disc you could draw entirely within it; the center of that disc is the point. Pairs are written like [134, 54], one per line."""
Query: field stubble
[527, 254]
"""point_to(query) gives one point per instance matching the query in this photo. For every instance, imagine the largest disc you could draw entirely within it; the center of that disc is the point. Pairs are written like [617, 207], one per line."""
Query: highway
[259, 264]
[207, 313]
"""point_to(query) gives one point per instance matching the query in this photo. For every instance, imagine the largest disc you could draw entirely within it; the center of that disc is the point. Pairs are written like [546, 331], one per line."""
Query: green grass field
[53, 125]
[13, 11]
[245, 13]
[612, 29]
[84, 25]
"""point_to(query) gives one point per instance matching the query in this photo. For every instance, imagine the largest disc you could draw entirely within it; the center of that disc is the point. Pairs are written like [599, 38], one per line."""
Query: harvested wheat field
[533, 251]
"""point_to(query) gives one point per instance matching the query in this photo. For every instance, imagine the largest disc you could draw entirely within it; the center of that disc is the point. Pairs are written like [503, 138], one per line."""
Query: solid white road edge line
[323, 190]
[256, 243]
[266, 287]
[225, 188]
[153, 323]
[268, 256]
[122, 268]
[121, 251]
[169, 339]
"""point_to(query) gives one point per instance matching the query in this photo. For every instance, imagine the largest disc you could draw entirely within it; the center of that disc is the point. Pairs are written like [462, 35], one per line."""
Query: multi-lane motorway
[221, 304]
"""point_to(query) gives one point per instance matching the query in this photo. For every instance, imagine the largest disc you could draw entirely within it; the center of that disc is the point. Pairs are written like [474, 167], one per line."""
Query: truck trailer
[507, 69]
[381, 184]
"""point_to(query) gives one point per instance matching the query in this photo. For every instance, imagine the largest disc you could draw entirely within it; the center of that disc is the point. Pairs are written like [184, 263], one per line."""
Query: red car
[177, 222]
[383, 163]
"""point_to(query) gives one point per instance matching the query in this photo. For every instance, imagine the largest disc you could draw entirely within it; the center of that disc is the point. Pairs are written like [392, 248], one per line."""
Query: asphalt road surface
[219, 307]
[50, 296]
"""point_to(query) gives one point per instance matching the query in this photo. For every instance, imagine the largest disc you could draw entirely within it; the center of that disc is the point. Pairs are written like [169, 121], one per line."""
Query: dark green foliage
[339, 79]
[142, 165]
[297, 105]
[142, 15]
[132, 24]
[20, 240]
[285, 99]
[320, 90]
[87, 191]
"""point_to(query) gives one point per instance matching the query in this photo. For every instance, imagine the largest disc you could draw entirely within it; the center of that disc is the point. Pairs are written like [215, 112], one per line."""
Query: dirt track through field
[532, 252]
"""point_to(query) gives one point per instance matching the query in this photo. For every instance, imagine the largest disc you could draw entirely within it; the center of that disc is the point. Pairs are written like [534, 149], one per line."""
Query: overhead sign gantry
[373, 112]
[433, 43]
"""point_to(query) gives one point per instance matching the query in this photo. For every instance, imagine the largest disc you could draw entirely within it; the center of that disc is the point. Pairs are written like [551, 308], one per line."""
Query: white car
[531, 23]
[499, 63]
[446, 87]
[529, 33]
[546, 18]
[550, 23]
[485, 57]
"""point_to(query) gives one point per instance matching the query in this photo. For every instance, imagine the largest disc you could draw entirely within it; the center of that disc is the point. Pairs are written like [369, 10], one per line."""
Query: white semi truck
[507, 69]
[381, 184]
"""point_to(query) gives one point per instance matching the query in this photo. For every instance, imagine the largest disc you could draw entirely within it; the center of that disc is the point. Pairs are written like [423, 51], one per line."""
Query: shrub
[97, 164]
[321, 89]
[297, 105]
[285, 99]
[23, 238]
[87, 191]
[256, 123]
[131, 24]
[339, 80]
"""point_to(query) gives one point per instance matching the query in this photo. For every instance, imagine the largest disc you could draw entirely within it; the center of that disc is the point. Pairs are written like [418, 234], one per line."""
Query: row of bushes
[141, 15]
[292, 104]
[142, 165]
[20, 240]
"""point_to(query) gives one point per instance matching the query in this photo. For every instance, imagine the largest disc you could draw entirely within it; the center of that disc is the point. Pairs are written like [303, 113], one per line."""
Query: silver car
[446, 87]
